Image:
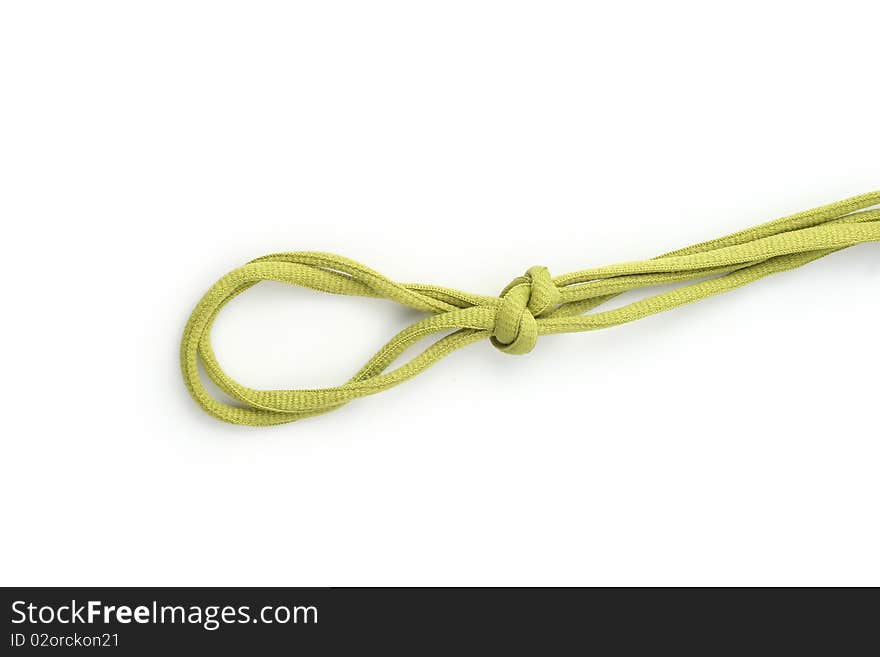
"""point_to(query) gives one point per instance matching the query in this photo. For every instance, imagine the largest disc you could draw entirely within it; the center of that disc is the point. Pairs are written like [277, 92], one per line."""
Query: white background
[146, 148]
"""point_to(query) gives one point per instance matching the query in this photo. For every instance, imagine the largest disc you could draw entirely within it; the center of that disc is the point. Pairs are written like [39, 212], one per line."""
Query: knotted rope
[530, 306]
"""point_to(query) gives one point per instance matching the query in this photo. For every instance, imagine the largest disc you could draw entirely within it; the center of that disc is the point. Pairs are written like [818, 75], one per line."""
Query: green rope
[532, 305]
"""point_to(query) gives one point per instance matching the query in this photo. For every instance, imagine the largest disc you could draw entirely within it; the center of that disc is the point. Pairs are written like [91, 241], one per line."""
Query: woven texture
[532, 305]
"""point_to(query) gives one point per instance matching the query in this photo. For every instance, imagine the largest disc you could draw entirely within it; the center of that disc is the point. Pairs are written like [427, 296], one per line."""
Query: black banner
[335, 621]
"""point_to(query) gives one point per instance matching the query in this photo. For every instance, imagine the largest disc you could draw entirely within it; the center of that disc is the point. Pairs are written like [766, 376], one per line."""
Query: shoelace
[531, 305]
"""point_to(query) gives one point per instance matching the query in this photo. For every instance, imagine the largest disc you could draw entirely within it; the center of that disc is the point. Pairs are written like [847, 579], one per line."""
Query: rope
[532, 305]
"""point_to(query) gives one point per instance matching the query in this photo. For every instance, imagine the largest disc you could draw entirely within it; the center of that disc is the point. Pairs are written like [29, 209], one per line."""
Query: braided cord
[531, 305]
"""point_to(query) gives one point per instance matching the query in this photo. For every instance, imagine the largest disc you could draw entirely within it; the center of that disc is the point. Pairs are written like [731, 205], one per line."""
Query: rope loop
[531, 305]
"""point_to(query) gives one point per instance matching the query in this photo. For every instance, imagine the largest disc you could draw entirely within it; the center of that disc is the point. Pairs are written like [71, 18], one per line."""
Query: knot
[524, 299]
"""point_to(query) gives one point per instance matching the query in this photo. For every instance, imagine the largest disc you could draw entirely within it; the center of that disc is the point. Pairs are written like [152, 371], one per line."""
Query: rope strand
[532, 305]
